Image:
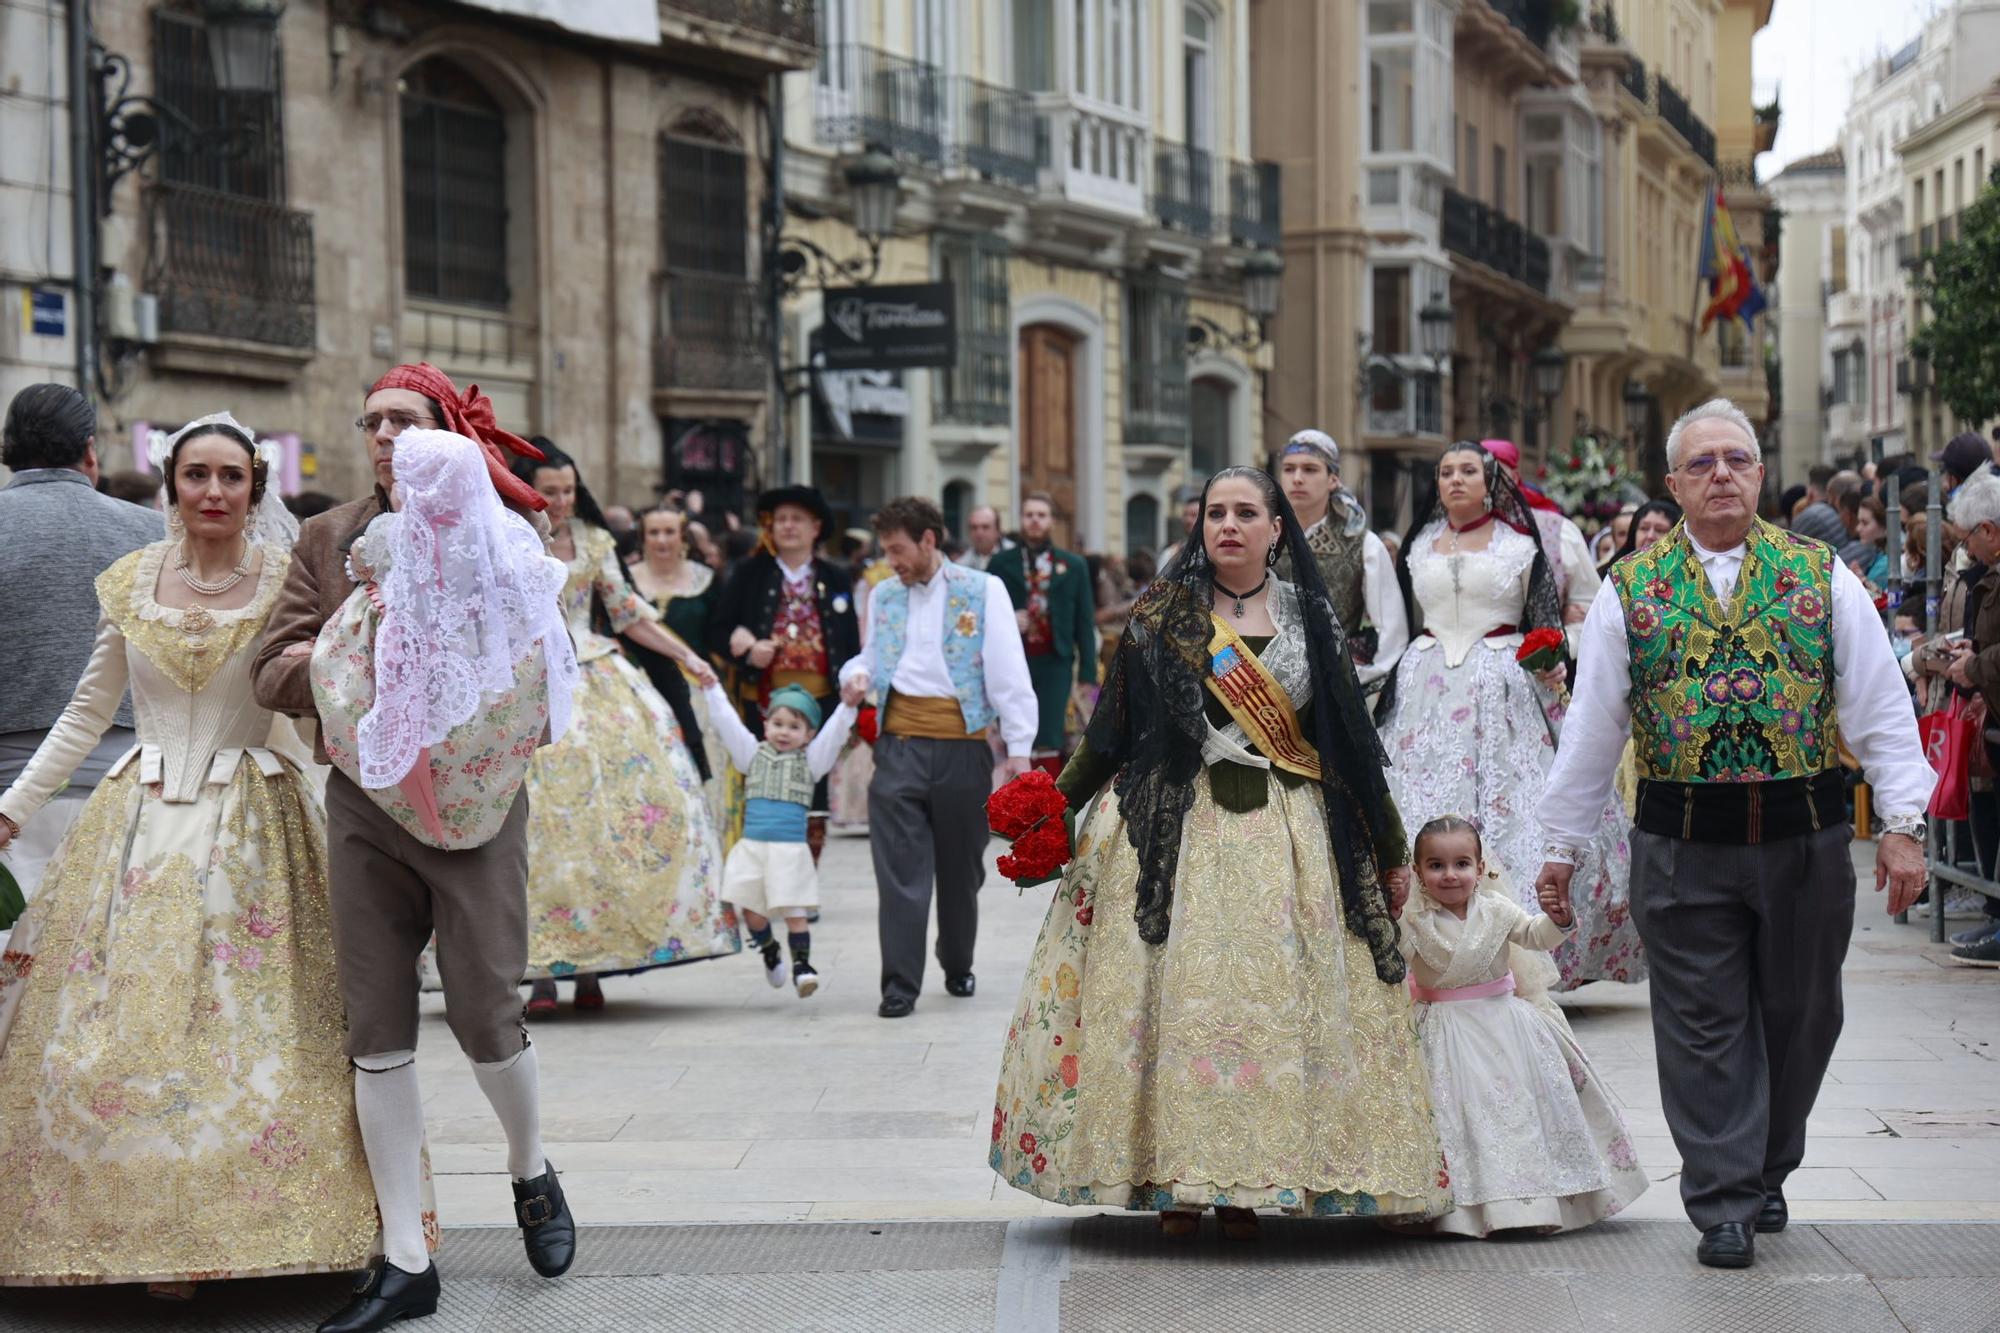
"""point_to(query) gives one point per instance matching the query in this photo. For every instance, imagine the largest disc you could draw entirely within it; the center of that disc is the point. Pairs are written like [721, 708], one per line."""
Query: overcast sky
[1808, 56]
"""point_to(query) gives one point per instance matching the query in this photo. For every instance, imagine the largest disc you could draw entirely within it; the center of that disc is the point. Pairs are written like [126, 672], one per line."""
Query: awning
[636, 21]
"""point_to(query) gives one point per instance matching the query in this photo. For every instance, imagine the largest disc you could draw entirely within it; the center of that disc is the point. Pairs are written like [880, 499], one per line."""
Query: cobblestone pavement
[701, 1096]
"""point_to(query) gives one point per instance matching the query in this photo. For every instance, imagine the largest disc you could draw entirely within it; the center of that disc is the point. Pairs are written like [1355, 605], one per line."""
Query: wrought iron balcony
[991, 132]
[864, 96]
[710, 332]
[1255, 204]
[1487, 236]
[1634, 78]
[786, 20]
[1530, 16]
[1673, 107]
[225, 266]
[1184, 188]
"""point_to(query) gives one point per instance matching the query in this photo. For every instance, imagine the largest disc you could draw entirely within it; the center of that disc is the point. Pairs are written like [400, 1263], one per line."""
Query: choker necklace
[1239, 596]
[219, 586]
[1473, 526]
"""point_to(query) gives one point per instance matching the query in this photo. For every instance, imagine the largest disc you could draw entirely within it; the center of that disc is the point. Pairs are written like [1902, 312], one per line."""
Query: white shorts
[771, 878]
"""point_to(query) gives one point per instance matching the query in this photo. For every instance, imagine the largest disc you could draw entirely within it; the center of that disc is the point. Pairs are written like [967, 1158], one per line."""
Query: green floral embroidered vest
[1742, 694]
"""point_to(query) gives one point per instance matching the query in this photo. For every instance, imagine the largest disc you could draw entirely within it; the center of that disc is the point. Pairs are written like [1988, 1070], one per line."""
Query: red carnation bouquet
[1034, 816]
[867, 724]
[1541, 650]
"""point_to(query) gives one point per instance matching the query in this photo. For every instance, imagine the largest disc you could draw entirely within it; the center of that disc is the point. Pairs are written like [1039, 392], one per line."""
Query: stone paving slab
[1108, 1274]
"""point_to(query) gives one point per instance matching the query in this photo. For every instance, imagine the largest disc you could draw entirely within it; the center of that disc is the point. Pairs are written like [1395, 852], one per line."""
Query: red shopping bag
[1948, 736]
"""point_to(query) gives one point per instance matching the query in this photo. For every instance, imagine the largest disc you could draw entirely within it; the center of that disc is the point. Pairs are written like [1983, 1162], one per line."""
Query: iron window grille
[454, 188]
[979, 389]
[1156, 369]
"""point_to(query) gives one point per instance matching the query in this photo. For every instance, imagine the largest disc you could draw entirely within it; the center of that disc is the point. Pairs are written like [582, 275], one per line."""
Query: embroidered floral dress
[1252, 1060]
[1530, 1131]
[623, 863]
[1469, 736]
[174, 1103]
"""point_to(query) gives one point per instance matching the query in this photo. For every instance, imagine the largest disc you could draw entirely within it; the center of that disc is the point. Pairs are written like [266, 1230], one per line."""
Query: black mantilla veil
[664, 672]
[1544, 607]
[1149, 723]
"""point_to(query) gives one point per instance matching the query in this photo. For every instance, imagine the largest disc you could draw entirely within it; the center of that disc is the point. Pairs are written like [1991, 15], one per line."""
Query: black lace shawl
[1149, 726]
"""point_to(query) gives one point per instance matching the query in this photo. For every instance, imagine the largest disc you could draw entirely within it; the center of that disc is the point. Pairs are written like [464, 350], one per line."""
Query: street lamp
[1263, 275]
[1437, 322]
[243, 43]
[875, 186]
[1547, 368]
[1636, 402]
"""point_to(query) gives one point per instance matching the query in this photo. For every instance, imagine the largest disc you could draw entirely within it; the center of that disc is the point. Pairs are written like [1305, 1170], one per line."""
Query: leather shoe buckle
[531, 1215]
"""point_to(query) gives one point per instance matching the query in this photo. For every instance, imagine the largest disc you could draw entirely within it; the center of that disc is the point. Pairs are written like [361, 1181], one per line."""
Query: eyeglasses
[1739, 460]
[398, 422]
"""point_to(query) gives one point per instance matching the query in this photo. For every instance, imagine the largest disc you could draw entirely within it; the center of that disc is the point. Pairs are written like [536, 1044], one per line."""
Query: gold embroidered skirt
[623, 865]
[1253, 1060]
[174, 1104]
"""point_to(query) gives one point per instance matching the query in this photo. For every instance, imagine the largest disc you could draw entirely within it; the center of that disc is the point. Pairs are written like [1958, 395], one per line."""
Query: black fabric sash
[1742, 814]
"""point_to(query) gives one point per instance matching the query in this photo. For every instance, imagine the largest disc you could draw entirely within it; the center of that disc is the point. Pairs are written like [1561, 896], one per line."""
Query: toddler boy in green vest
[770, 870]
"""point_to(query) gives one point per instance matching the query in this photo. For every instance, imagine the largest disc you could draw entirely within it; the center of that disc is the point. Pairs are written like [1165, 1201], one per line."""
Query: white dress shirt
[796, 578]
[1383, 597]
[922, 674]
[1877, 719]
[822, 751]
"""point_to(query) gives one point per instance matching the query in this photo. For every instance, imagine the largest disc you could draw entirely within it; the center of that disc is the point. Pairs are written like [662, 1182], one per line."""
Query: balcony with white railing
[1096, 154]
[1846, 310]
[1401, 194]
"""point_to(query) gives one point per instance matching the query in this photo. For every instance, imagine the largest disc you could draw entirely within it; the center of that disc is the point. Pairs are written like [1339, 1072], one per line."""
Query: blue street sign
[47, 312]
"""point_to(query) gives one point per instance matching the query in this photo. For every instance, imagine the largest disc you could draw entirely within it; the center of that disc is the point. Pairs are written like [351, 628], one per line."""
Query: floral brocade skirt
[624, 868]
[1253, 1060]
[174, 1101]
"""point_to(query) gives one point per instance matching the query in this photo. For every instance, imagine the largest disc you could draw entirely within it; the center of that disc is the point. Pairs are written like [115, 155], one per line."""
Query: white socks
[513, 1086]
[390, 1107]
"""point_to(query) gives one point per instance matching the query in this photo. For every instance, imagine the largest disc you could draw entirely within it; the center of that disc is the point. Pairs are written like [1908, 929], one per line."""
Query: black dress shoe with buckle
[384, 1294]
[1774, 1214]
[896, 1006]
[1727, 1245]
[960, 986]
[547, 1228]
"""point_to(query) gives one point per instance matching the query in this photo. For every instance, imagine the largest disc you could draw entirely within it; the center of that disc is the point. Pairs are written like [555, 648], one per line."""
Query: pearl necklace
[219, 586]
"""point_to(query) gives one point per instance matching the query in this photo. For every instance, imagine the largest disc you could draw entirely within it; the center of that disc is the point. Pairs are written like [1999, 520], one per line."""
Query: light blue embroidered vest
[964, 638]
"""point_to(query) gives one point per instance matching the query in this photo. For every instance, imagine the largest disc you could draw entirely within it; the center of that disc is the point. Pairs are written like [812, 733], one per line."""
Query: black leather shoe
[547, 1228]
[960, 986]
[1727, 1245]
[1774, 1214]
[382, 1295]
[896, 1006]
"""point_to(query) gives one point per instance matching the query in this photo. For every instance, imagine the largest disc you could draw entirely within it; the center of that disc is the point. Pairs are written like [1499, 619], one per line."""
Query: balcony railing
[1487, 236]
[1184, 188]
[1099, 153]
[991, 132]
[866, 96]
[1673, 107]
[229, 267]
[1530, 16]
[1634, 77]
[710, 332]
[1255, 204]
[787, 20]
[1913, 247]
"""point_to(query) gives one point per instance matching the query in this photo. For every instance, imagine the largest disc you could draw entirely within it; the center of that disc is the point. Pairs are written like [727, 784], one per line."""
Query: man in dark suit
[1057, 611]
[787, 617]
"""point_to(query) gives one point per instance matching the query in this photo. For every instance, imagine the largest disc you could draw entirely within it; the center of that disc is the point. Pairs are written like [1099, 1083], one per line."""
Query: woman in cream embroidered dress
[681, 589]
[1469, 730]
[1215, 1011]
[174, 1103]
[623, 862]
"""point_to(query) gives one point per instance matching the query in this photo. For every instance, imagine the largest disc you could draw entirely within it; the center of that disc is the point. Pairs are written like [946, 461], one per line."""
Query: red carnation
[1024, 803]
[1039, 854]
[1540, 650]
[865, 724]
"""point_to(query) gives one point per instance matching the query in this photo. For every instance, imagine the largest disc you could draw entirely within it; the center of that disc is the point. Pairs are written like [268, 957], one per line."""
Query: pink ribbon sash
[1486, 990]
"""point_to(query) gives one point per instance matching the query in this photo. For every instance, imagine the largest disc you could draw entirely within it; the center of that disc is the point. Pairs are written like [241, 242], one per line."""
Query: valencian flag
[1725, 265]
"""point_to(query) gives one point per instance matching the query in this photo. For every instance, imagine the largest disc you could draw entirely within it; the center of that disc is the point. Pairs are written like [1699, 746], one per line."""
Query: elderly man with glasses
[1727, 653]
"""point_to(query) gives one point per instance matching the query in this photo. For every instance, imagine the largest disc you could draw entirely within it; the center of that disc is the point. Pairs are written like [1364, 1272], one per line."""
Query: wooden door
[1048, 422]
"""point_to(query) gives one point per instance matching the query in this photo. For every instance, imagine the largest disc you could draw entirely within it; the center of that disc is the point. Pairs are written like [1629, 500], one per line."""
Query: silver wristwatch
[1910, 826]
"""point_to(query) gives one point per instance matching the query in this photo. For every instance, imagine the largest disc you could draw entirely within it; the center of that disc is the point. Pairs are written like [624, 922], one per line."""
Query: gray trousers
[927, 820]
[1745, 946]
[390, 892]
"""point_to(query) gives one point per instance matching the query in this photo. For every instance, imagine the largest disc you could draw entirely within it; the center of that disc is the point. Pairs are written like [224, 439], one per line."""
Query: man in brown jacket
[1975, 509]
[391, 893]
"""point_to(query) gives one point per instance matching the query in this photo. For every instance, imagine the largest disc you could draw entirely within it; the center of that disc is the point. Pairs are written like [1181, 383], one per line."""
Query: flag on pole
[1725, 266]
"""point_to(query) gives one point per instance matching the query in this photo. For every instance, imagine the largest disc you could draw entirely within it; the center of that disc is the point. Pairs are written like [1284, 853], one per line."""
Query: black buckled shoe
[1774, 1214]
[1727, 1245]
[547, 1229]
[960, 986]
[384, 1294]
[896, 1006]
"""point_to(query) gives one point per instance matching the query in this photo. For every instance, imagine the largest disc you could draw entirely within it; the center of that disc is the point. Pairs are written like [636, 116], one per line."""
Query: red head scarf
[471, 415]
[1509, 455]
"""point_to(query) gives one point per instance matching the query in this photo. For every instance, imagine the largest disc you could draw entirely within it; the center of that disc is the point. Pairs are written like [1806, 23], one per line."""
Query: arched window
[1142, 524]
[704, 197]
[454, 187]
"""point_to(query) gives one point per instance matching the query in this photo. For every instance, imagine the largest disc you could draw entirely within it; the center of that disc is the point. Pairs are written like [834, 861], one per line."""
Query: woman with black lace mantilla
[1215, 1013]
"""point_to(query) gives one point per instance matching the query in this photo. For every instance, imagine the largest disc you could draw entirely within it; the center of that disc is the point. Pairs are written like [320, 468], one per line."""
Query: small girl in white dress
[1529, 1133]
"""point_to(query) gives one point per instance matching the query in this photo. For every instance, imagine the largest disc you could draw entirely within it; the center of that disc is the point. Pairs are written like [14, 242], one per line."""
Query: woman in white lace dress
[174, 1101]
[1468, 730]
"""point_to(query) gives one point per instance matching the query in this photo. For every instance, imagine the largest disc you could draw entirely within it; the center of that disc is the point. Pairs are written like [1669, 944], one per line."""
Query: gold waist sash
[926, 717]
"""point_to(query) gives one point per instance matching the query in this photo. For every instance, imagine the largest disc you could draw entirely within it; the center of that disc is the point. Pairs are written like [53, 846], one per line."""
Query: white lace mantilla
[467, 589]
